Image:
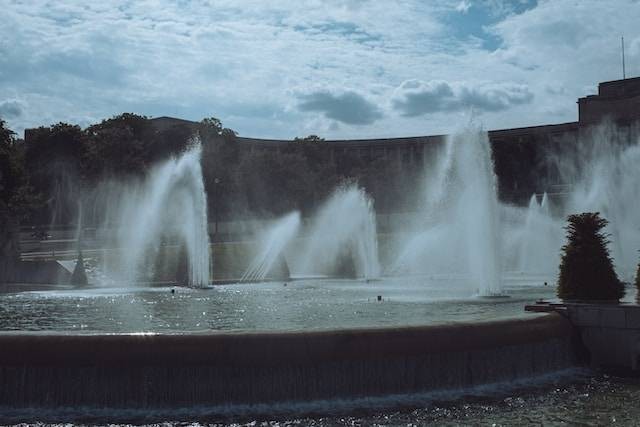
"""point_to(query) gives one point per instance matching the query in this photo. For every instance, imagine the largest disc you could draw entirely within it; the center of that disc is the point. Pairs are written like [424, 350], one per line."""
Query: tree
[211, 125]
[53, 157]
[15, 195]
[137, 124]
[119, 146]
[217, 143]
[311, 139]
[586, 268]
[171, 142]
[228, 134]
[11, 168]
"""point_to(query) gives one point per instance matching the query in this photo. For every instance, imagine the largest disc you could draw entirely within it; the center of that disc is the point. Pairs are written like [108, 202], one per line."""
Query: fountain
[270, 256]
[465, 231]
[461, 234]
[79, 275]
[539, 239]
[606, 179]
[170, 201]
[242, 346]
[342, 239]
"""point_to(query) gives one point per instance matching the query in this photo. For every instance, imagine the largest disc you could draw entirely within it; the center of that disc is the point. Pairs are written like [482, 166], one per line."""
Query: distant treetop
[312, 139]
[6, 135]
[212, 124]
[136, 123]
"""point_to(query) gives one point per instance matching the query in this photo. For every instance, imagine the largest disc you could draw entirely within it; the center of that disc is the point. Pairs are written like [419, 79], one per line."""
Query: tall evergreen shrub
[586, 267]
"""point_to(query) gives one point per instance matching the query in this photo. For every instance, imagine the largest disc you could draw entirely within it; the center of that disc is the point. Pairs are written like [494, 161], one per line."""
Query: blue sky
[336, 68]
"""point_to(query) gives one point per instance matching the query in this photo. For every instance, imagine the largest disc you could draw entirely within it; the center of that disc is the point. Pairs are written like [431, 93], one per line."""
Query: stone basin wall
[144, 371]
[610, 333]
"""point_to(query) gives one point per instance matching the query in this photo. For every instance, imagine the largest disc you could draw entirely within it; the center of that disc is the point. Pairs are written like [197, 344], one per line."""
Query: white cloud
[346, 107]
[249, 61]
[415, 98]
[463, 6]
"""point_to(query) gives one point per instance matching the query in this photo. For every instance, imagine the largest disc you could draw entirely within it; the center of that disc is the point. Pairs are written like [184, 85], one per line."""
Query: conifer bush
[586, 267]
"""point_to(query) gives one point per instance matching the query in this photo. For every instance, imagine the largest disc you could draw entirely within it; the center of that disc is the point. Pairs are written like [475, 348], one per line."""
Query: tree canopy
[15, 193]
[65, 163]
[311, 139]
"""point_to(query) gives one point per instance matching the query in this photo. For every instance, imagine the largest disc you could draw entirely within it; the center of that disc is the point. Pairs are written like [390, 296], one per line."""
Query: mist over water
[602, 175]
[168, 204]
[460, 231]
[460, 234]
[531, 238]
[274, 240]
[608, 181]
[464, 233]
[344, 229]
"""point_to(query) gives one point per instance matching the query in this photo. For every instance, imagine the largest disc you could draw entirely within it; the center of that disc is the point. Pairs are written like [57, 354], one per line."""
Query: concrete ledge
[616, 316]
[611, 333]
[271, 348]
[224, 368]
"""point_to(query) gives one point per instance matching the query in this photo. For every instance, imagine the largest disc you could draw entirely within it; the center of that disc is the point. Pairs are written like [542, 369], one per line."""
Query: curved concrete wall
[52, 370]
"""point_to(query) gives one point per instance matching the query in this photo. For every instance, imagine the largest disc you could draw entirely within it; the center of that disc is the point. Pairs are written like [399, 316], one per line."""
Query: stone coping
[272, 348]
[617, 316]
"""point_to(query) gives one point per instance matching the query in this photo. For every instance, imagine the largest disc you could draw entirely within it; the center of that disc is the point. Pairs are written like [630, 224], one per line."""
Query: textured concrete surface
[611, 333]
[46, 369]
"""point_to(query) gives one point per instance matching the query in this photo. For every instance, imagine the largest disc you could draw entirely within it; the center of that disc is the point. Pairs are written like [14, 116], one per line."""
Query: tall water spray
[600, 174]
[461, 234]
[344, 229]
[606, 179]
[539, 239]
[476, 208]
[273, 242]
[172, 201]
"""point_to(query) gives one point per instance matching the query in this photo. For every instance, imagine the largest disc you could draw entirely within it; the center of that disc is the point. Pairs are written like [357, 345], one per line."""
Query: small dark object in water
[379, 297]
[173, 290]
[285, 283]
[545, 283]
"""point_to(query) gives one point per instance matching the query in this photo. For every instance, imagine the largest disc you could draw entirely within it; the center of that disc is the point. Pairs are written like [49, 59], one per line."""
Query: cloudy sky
[336, 68]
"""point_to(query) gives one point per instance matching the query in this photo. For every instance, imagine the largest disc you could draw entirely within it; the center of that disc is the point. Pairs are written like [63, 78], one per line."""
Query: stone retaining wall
[138, 371]
[610, 332]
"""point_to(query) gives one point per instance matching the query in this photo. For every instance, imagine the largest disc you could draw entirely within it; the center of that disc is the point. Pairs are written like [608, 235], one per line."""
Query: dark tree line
[63, 160]
[14, 185]
[15, 198]
[47, 174]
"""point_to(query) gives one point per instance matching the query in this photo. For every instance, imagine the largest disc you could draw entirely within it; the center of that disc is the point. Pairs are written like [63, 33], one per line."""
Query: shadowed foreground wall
[137, 371]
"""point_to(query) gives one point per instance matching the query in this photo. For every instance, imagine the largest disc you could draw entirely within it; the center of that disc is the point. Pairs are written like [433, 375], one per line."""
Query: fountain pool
[309, 304]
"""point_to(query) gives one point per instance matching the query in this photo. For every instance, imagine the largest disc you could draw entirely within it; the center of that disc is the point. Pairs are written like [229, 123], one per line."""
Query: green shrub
[586, 268]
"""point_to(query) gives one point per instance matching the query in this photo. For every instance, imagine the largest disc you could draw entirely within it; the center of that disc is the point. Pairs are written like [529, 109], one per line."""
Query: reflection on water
[305, 304]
